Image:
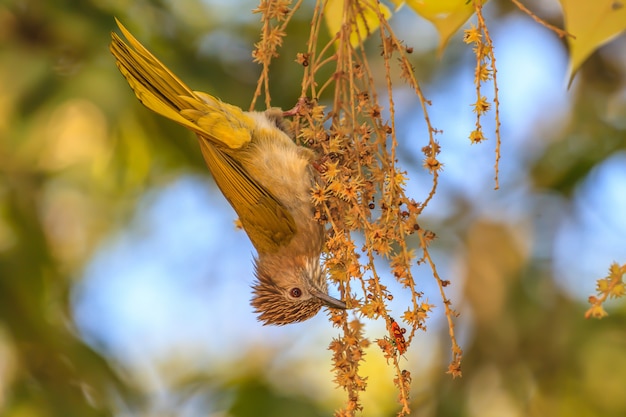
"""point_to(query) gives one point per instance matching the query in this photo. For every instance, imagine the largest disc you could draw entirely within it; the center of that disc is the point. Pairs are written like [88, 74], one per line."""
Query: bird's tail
[163, 92]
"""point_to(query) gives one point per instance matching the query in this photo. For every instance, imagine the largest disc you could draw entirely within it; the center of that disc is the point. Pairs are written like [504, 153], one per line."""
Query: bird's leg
[298, 110]
[302, 103]
[320, 164]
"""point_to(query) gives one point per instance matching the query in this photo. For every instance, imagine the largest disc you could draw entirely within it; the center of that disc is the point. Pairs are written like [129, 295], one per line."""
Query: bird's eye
[295, 292]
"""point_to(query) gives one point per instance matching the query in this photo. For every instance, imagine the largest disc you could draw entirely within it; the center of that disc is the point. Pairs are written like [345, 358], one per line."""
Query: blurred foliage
[77, 151]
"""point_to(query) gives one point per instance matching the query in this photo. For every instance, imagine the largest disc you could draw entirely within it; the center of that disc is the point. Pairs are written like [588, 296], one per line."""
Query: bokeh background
[124, 285]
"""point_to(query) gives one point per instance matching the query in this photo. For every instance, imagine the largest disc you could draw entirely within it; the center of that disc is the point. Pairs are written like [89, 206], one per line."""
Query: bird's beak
[328, 300]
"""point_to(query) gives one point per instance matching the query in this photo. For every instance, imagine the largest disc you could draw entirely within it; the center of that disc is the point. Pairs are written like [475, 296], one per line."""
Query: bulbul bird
[262, 172]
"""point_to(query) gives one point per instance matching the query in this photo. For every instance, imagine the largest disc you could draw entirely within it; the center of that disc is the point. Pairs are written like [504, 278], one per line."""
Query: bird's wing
[268, 223]
[222, 129]
[163, 92]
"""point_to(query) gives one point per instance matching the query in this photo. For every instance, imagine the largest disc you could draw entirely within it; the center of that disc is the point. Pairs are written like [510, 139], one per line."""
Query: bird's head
[290, 290]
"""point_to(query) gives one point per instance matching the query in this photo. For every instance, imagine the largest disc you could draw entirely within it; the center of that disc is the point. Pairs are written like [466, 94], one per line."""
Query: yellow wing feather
[267, 222]
[222, 129]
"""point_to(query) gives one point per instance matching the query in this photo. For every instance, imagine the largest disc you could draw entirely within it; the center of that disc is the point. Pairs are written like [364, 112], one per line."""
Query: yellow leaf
[366, 19]
[593, 23]
[447, 16]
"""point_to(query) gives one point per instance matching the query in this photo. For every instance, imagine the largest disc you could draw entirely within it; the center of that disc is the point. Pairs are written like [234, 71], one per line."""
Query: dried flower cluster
[362, 190]
[485, 71]
[612, 286]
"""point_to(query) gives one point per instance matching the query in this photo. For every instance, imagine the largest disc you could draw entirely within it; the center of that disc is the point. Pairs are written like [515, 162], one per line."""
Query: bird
[265, 176]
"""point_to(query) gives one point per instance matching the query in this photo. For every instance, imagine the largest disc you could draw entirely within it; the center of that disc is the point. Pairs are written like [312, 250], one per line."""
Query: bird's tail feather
[163, 92]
